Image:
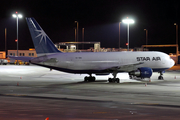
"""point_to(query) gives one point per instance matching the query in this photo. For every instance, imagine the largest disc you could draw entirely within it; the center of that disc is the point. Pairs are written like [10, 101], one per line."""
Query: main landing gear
[113, 80]
[89, 79]
[161, 76]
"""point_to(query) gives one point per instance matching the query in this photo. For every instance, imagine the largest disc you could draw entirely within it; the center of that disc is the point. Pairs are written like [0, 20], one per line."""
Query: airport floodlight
[14, 15]
[17, 16]
[128, 21]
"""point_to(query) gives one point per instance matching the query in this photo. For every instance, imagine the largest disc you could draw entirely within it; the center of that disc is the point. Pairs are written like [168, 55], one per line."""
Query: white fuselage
[97, 61]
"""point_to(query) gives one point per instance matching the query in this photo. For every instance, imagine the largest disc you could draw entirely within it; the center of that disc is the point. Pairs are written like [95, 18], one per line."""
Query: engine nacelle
[143, 72]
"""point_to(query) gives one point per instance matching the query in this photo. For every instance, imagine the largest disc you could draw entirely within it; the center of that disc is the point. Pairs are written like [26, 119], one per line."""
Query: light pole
[83, 37]
[17, 16]
[6, 41]
[177, 49]
[146, 35]
[77, 32]
[82, 34]
[119, 34]
[176, 32]
[128, 21]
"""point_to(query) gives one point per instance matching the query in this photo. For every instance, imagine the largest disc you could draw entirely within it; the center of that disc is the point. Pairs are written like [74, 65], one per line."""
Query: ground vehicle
[3, 62]
[17, 62]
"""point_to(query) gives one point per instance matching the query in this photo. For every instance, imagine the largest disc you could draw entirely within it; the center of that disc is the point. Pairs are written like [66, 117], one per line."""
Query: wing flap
[125, 68]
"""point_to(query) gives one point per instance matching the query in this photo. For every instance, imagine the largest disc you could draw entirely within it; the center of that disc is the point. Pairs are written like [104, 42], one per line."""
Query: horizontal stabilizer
[23, 58]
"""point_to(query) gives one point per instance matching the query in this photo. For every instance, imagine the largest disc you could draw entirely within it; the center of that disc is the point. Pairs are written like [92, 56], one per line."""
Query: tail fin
[42, 42]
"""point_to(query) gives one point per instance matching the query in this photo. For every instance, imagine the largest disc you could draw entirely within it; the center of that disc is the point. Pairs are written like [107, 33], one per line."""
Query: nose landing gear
[161, 76]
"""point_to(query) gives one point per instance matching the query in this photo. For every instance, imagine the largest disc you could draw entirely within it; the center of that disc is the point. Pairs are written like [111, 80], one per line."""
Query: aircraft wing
[125, 68]
[23, 58]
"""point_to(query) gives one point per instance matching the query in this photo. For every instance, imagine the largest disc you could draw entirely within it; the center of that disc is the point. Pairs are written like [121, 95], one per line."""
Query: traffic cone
[17, 83]
[47, 118]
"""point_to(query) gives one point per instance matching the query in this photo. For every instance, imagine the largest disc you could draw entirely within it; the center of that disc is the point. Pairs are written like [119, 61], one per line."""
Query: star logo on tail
[41, 34]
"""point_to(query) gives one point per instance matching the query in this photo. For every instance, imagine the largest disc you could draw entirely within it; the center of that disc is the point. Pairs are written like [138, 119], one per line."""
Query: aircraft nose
[172, 63]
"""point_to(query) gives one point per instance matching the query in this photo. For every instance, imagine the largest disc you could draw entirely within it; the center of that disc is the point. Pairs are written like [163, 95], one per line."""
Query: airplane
[139, 64]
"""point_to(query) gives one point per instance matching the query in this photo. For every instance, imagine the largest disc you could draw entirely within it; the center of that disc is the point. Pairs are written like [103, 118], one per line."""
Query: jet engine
[143, 72]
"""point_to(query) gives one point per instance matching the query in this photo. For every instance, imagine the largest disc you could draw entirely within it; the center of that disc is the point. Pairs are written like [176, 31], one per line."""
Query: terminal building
[2, 54]
[30, 53]
[74, 46]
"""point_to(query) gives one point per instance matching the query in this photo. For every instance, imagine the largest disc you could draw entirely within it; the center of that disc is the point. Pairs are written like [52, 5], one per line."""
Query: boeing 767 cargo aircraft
[137, 64]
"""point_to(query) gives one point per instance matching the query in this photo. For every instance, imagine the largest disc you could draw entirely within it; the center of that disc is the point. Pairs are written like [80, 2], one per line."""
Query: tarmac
[36, 93]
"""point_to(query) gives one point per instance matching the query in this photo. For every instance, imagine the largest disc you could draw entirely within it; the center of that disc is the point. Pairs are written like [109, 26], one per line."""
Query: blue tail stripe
[42, 42]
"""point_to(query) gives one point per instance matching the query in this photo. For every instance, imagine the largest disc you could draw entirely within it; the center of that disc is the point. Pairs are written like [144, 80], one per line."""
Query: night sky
[99, 18]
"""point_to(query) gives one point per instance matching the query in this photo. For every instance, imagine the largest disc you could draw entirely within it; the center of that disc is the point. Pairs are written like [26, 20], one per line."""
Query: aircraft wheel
[113, 80]
[117, 80]
[92, 79]
[89, 79]
[110, 80]
[85, 79]
[160, 78]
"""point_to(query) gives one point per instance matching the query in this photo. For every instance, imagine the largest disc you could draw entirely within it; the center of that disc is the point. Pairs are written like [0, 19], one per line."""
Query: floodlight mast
[77, 32]
[17, 16]
[119, 34]
[146, 35]
[177, 50]
[128, 21]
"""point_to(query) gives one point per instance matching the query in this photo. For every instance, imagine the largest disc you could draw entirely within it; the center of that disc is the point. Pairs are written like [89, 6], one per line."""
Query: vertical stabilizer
[42, 42]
